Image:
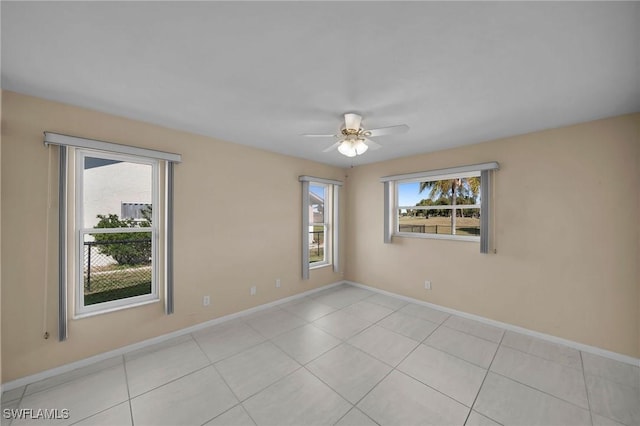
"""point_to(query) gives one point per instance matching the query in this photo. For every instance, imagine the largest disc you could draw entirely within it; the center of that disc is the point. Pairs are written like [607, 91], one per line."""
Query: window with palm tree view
[445, 206]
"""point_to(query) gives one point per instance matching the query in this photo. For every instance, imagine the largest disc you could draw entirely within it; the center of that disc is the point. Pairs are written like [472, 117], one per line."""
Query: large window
[449, 203]
[320, 223]
[117, 255]
[447, 206]
[115, 230]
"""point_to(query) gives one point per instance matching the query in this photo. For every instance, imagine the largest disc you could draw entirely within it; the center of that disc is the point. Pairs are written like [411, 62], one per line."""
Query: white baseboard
[153, 341]
[579, 346]
[121, 351]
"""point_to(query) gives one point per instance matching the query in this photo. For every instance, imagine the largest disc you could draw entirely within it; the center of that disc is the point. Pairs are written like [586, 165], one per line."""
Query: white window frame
[82, 310]
[391, 207]
[331, 224]
[326, 224]
[397, 207]
[67, 145]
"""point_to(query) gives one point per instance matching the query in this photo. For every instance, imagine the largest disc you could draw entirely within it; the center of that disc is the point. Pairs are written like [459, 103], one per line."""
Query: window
[320, 223]
[115, 231]
[447, 206]
[442, 204]
[117, 255]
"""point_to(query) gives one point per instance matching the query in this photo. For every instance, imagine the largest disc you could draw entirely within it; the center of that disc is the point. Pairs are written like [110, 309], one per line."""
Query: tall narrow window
[117, 255]
[320, 223]
[115, 247]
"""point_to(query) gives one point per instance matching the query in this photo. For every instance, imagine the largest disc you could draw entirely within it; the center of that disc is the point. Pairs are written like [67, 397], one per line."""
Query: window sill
[437, 237]
[319, 265]
[114, 309]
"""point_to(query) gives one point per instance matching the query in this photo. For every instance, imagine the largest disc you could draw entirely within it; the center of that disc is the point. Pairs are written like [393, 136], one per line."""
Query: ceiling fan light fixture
[353, 139]
[346, 148]
[360, 146]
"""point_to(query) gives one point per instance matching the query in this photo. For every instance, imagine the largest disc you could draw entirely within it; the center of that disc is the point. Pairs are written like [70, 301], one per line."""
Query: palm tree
[451, 188]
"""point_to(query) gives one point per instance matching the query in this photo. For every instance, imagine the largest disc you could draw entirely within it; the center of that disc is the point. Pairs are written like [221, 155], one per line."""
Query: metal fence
[316, 242]
[439, 229]
[116, 269]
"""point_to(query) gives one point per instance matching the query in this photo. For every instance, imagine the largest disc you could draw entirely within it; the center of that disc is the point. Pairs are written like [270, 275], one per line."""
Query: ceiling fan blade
[352, 121]
[308, 135]
[391, 130]
[371, 144]
[332, 147]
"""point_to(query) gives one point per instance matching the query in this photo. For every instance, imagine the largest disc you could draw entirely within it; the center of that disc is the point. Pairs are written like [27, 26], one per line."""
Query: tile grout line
[391, 371]
[586, 389]
[126, 379]
[270, 384]
[311, 301]
[271, 341]
[612, 380]
[355, 408]
[456, 356]
[291, 329]
[235, 353]
[547, 359]
[242, 401]
[19, 400]
[232, 393]
[90, 373]
[345, 341]
[128, 401]
[540, 390]
[474, 335]
[427, 384]
[248, 414]
[486, 374]
[212, 364]
[171, 381]
[139, 353]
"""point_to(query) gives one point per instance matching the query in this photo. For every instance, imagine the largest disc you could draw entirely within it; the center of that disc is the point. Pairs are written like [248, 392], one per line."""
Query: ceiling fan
[354, 140]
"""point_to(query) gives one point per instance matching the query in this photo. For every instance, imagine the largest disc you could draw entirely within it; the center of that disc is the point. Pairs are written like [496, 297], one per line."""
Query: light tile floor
[344, 356]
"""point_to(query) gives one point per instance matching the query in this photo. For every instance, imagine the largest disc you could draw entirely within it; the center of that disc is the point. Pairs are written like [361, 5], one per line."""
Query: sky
[409, 195]
[318, 190]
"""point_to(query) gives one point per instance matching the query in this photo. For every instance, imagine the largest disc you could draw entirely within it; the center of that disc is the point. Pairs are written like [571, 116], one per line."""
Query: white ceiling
[262, 73]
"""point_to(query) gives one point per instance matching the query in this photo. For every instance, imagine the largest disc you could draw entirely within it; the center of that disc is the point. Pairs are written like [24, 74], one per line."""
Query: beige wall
[237, 224]
[567, 229]
[567, 235]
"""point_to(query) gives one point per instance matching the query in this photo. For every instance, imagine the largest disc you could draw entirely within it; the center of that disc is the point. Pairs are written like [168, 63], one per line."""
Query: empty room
[320, 213]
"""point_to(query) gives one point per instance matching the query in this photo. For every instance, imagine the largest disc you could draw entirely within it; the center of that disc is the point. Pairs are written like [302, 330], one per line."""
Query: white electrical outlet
[427, 285]
[206, 301]
[278, 283]
[253, 290]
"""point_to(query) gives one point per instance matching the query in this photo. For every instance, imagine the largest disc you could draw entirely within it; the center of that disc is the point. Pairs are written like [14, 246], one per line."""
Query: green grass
[117, 294]
[314, 256]
[117, 282]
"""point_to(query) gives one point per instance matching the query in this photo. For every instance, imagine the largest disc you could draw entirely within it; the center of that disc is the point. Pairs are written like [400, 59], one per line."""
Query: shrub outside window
[117, 255]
